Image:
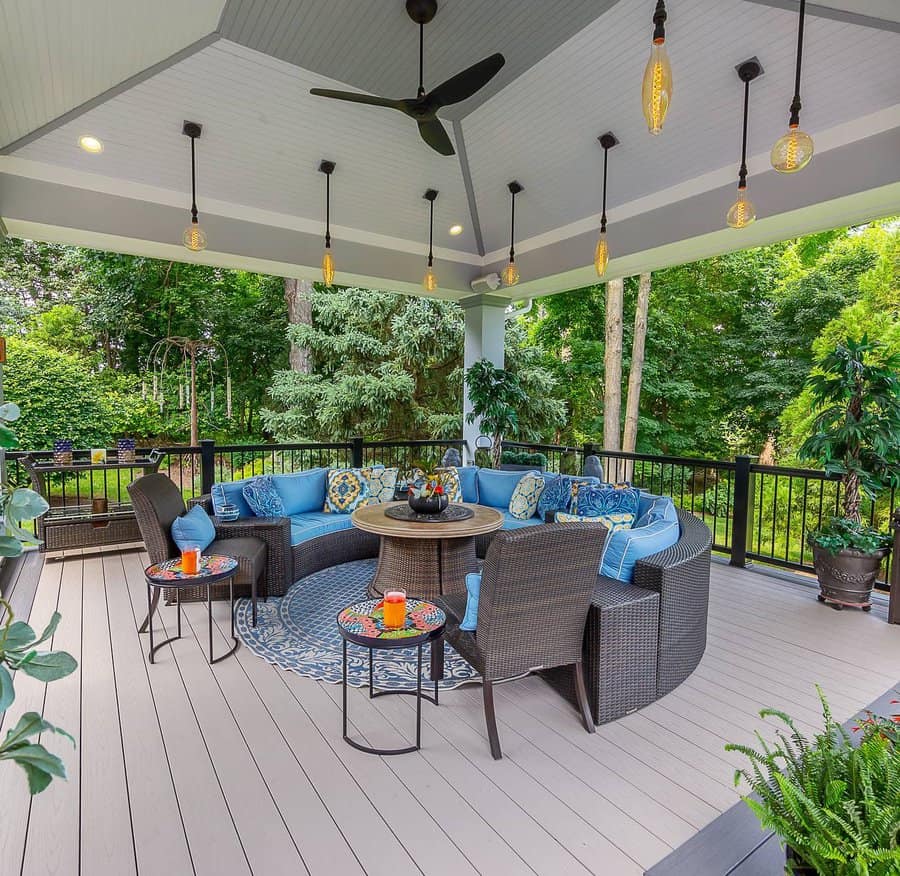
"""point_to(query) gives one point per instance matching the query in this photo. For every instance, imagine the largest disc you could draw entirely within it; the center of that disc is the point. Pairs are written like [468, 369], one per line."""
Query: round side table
[169, 575]
[363, 624]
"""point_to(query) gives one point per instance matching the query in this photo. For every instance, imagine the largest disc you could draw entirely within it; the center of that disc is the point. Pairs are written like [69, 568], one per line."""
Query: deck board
[239, 768]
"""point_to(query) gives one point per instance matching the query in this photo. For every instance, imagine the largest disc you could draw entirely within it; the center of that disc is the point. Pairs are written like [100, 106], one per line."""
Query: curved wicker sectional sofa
[641, 639]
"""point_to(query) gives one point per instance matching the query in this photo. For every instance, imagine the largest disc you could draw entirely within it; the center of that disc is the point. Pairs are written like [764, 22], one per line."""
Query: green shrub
[523, 457]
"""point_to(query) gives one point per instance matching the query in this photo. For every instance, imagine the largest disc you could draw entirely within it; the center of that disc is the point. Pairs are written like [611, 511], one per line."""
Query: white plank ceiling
[573, 71]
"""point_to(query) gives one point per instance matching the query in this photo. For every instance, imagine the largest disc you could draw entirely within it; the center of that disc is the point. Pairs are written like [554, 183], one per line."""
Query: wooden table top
[372, 518]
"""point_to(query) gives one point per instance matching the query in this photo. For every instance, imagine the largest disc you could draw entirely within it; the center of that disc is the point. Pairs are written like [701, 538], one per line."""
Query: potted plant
[834, 804]
[855, 436]
[495, 395]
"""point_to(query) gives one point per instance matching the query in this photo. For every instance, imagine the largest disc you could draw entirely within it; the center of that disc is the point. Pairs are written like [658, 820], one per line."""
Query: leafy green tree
[496, 396]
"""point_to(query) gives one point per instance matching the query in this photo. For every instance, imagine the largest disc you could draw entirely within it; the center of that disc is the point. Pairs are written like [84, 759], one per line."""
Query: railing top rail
[808, 473]
[246, 448]
[417, 442]
[691, 461]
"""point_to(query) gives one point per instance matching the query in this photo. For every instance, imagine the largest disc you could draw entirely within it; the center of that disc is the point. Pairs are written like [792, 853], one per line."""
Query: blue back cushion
[652, 508]
[193, 528]
[231, 493]
[495, 488]
[623, 549]
[302, 491]
[468, 482]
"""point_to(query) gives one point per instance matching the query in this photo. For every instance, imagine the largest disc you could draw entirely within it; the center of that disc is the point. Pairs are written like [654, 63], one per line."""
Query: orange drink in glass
[394, 609]
[190, 560]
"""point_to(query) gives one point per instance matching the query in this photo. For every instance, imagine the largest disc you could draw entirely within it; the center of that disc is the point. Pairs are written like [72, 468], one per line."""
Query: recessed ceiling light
[456, 229]
[90, 144]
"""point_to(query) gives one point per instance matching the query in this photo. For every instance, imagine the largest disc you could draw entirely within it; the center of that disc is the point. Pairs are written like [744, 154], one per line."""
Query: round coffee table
[167, 575]
[363, 624]
[425, 559]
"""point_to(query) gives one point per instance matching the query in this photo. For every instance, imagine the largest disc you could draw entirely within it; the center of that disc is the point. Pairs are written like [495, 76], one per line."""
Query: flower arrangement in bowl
[428, 494]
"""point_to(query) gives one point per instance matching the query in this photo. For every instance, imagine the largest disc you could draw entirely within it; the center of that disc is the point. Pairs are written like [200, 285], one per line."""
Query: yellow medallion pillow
[347, 489]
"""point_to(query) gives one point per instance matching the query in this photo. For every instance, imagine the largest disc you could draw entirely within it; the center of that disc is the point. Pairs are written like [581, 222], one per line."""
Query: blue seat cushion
[231, 493]
[473, 588]
[557, 495]
[301, 491]
[312, 524]
[262, 497]
[194, 529]
[495, 488]
[623, 549]
[510, 522]
[652, 508]
[468, 482]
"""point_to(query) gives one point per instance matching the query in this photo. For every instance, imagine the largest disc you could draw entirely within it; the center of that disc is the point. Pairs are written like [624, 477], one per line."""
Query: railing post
[742, 523]
[894, 600]
[207, 465]
[357, 451]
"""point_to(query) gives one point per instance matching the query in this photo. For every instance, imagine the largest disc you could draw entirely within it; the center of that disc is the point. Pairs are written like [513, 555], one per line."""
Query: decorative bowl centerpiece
[427, 495]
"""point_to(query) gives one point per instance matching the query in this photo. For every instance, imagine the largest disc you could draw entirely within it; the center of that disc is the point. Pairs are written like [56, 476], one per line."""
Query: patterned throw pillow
[347, 490]
[262, 497]
[452, 485]
[382, 483]
[590, 501]
[526, 495]
[613, 522]
[573, 485]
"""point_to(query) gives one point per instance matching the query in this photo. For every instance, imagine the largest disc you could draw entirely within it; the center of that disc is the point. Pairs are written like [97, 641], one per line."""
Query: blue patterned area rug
[298, 631]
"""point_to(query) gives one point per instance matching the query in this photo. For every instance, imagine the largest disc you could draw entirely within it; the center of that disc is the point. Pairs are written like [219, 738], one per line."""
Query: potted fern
[835, 805]
[857, 391]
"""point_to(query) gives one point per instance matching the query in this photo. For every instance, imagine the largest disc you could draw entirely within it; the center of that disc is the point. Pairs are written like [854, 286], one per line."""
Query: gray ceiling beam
[110, 93]
[467, 182]
[845, 15]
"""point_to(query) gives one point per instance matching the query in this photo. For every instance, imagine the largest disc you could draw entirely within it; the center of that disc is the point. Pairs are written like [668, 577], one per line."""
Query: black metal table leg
[149, 621]
[234, 638]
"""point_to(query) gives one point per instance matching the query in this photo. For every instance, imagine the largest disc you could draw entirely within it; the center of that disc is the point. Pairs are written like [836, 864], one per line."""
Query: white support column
[485, 334]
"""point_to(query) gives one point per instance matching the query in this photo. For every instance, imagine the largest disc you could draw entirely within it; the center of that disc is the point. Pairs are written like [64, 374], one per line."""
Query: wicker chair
[157, 502]
[535, 592]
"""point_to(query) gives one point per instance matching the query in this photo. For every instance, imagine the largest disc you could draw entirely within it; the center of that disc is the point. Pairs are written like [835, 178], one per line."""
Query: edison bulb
[657, 88]
[327, 268]
[601, 255]
[194, 238]
[429, 281]
[792, 152]
[742, 212]
[510, 274]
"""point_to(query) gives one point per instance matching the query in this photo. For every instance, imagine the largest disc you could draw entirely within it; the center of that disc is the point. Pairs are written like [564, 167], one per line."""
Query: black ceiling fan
[424, 106]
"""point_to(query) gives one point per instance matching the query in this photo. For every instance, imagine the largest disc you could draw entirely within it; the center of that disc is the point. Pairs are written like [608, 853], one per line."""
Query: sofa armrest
[205, 502]
[276, 533]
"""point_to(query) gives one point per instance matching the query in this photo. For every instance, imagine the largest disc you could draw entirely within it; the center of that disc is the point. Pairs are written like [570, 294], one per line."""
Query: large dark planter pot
[799, 868]
[428, 505]
[847, 578]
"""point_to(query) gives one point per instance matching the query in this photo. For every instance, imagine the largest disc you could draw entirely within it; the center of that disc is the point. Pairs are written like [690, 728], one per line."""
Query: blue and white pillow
[524, 501]
[473, 588]
[623, 549]
[557, 495]
[652, 508]
[591, 500]
[194, 529]
[262, 497]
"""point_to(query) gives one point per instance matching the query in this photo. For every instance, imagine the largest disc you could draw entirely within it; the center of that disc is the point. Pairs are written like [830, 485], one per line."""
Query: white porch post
[485, 331]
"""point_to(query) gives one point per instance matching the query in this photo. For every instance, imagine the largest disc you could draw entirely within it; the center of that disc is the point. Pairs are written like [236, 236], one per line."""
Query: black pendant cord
[742, 174]
[512, 230]
[659, 19]
[193, 184]
[795, 103]
[603, 214]
[421, 93]
[431, 235]
[327, 211]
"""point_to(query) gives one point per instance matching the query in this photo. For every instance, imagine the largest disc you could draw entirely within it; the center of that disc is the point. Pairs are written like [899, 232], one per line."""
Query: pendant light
[793, 151]
[429, 281]
[194, 238]
[327, 167]
[656, 91]
[742, 211]
[510, 273]
[601, 253]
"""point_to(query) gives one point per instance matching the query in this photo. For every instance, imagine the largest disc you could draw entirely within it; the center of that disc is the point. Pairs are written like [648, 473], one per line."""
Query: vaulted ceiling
[129, 73]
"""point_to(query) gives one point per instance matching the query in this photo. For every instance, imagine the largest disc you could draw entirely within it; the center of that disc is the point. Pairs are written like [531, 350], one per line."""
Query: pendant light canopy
[510, 273]
[656, 91]
[327, 167]
[429, 281]
[742, 211]
[793, 151]
[194, 238]
[601, 253]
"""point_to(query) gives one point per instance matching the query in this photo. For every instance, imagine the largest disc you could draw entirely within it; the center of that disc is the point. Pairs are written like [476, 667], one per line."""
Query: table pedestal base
[424, 567]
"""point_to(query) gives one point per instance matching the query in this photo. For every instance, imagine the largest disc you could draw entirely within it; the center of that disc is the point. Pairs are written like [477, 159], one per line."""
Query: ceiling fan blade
[436, 137]
[465, 84]
[356, 97]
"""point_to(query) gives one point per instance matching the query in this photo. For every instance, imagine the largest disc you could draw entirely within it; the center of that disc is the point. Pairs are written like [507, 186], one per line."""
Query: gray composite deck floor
[239, 768]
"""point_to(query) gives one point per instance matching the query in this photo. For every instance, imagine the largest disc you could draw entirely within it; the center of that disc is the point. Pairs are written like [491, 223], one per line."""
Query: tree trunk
[299, 304]
[612, 365]
[635, 375]
[496, 450]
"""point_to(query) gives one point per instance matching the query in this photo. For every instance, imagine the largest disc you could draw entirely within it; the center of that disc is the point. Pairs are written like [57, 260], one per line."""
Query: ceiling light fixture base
[191, 129]
[430, 194]
[515, 187]
[327, 167]
[608, 140]
[421, 11]
[749, 70]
